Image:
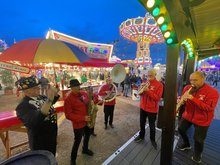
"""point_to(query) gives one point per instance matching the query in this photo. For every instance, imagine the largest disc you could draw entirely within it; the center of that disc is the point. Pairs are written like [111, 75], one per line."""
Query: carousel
[144, 31]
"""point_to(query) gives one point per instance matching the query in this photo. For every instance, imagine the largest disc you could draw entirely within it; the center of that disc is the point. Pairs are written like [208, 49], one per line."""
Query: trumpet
[182, 99]
[144, 85]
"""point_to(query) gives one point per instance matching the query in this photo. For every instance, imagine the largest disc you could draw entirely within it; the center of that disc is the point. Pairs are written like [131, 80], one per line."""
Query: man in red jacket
[150, 98]
[109, 106]
[75, 106]
[200, 102]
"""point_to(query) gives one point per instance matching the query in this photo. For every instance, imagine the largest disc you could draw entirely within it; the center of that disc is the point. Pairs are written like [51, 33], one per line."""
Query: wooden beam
[170, 97]
[207, 53]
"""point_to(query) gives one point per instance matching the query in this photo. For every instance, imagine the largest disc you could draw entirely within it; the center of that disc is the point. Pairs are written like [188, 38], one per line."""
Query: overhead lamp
[160, 20]
[164, 27]
[167, 34]
[188, 45]
[156, 11]
[190, 54]
[169, 41]
[184, 42]
[150, 3]
[190, 51]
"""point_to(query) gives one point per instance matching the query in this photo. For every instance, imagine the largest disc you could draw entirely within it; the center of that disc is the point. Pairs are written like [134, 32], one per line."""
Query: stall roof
[198, 20]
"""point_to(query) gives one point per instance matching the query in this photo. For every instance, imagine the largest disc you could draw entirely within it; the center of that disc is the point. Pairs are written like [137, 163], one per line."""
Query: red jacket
[200, 110]
[75, 108]
[106, 88]
[150, 99]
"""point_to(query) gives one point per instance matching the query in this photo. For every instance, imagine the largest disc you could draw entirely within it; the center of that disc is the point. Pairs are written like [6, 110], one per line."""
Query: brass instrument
[110, 95]
[144, 85]
[118, 74]
[182, 99]
[92, 109]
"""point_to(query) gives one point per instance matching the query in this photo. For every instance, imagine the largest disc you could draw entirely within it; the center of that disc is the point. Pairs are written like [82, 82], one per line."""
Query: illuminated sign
[14, 67]
[93, 50]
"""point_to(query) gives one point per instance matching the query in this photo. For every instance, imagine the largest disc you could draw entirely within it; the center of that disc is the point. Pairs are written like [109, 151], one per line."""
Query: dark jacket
[42, 129]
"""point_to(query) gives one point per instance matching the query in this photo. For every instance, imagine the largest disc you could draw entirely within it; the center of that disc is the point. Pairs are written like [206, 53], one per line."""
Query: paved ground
[126, 121]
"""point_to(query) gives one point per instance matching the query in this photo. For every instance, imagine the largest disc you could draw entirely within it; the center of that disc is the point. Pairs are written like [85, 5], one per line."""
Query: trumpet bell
[118, 73]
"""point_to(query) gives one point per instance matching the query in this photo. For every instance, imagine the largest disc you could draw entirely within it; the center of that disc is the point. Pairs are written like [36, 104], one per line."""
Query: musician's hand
[146, 89]
[87, 118]
[178, 100]
[189, 96]
[51, 92]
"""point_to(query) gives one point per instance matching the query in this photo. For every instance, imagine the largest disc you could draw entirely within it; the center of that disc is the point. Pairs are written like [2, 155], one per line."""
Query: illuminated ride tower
[144, 31]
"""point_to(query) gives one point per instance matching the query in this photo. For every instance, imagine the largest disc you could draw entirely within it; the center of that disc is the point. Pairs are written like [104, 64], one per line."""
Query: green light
[169, 40]
[150, 3]
[188, 45]
[156, 11]
[164, 27]
[190, 54]
[184, 42]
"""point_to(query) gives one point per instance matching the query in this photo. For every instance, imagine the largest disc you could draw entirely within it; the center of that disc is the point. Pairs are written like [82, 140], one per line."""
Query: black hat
[74, 83]
[27, 82]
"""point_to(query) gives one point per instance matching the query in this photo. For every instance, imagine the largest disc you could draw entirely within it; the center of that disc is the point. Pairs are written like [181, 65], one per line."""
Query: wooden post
[190, 68]
[170, 97]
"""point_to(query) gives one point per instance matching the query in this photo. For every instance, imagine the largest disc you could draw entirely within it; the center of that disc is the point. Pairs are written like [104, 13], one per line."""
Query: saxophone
[92, 109]
[182, 99]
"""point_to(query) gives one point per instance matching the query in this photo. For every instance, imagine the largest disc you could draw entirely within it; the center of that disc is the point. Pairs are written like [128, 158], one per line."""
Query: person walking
[44, 85]
[200, 101]
[127, 85]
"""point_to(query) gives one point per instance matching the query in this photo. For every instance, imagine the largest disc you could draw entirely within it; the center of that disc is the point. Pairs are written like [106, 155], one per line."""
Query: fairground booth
[60, 58]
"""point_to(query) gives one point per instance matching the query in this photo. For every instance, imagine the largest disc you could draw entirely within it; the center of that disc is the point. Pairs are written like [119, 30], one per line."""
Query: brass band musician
[149, 104]
[200, 103]
[75, 107]
[109, 106]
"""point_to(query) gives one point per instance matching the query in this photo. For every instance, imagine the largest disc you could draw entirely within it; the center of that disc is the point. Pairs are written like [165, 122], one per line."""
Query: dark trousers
[199, 135]
[151, 118]
[86, 132]
[92, 130]
[109, 112]
[215, 82]
[126, 88]
[43, 140]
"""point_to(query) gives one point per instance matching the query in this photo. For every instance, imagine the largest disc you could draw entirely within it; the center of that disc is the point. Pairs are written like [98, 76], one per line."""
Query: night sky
[94, 21]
